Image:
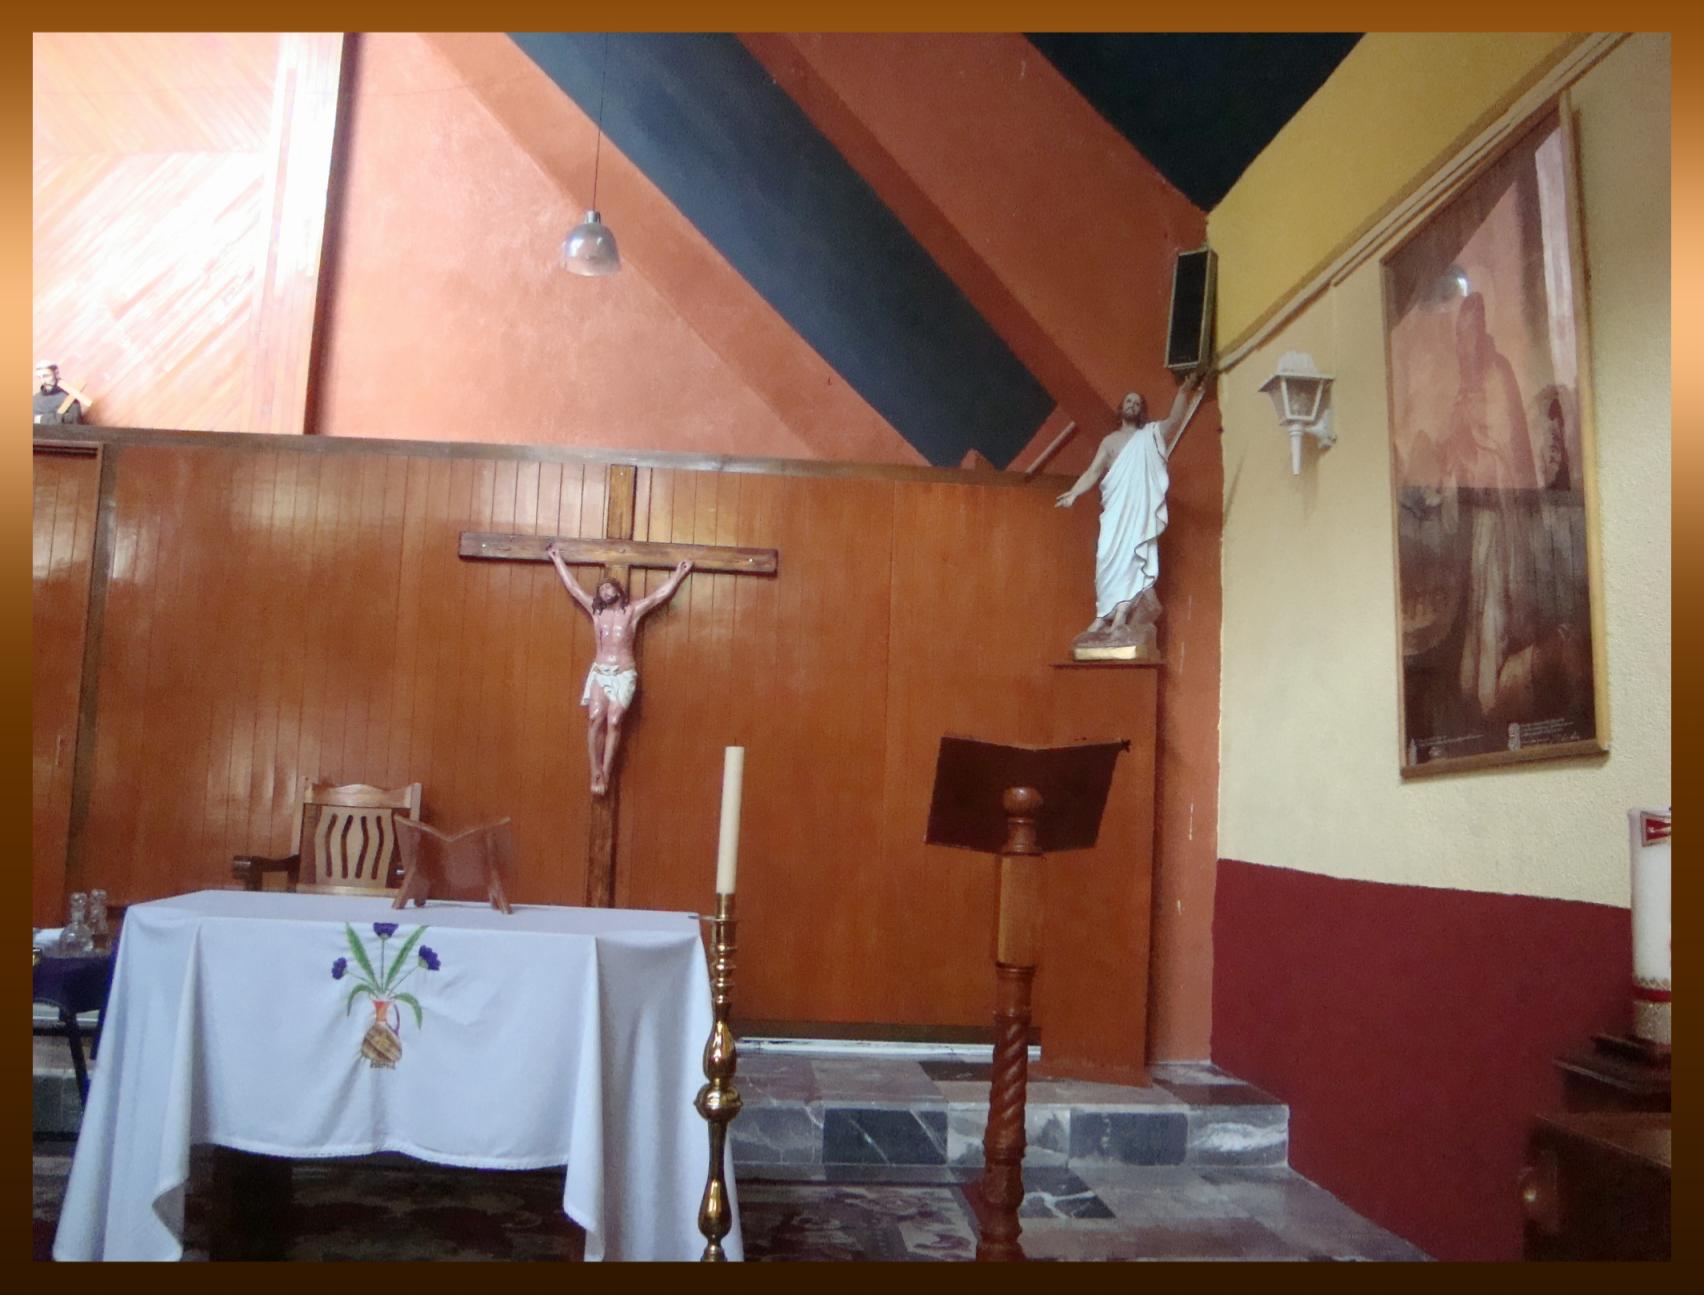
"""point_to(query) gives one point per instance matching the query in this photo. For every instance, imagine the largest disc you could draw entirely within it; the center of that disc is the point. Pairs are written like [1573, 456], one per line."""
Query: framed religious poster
[1491, 462]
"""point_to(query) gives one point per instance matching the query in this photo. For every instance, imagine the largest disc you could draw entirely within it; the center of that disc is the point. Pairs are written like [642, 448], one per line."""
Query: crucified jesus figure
[613, 680]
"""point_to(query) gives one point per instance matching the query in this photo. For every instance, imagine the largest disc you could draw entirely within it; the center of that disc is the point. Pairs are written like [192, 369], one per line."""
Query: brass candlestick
[719, 1101]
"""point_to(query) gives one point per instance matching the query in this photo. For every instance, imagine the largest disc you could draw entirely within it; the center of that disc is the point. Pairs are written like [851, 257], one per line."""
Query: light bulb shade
[590, 248]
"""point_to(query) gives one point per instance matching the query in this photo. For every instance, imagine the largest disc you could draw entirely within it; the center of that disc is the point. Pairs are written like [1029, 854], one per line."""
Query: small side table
[74, 985]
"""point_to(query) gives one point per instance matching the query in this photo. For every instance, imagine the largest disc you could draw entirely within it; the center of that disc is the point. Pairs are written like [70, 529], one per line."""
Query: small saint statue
[54, 404]
[1130, 467]
[613, 680]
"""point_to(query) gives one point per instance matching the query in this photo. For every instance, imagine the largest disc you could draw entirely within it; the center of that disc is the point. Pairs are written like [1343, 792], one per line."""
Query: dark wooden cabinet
[1596, 1186]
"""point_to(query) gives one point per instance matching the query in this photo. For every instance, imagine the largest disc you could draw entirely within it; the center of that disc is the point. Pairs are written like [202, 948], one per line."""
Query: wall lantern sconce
[1299, 390]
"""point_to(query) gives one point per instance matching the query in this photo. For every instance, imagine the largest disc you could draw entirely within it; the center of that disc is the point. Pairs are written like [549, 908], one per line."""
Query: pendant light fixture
[590, 246]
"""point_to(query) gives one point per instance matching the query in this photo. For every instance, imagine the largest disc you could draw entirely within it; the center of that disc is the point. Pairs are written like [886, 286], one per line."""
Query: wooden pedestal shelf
[1616, 1075]
[1106, 665]
[1091, 989]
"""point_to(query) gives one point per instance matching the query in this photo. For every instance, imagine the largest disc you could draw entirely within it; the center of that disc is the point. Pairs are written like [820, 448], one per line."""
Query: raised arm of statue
[651, 602]
[1180, 406]
[572, 585]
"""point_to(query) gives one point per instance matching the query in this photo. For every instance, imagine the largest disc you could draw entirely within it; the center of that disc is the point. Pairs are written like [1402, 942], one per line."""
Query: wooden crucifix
[610, 684]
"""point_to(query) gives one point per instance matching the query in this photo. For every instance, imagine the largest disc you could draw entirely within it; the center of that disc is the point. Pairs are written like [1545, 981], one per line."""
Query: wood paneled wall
[66, 492]
[276, 609]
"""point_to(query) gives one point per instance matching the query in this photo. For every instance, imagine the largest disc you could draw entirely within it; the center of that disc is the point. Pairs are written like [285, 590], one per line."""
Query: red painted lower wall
[1411, 1031]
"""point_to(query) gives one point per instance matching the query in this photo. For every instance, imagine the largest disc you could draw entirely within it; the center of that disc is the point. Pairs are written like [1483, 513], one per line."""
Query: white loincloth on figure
[618, 682]
[1133, 513]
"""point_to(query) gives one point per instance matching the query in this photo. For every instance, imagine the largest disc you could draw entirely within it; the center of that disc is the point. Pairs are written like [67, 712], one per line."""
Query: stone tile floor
[389, 1208]
[851, 1188]
[1118, 1212]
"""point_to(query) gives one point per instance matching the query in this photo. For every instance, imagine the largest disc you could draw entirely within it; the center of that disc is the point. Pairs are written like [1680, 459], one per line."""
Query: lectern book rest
[1017, 803]
[972, 775]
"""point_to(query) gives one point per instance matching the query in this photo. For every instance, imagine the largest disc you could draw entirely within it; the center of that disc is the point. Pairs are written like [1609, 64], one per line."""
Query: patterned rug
[378, 1209]
[394, 1209]
[885, 1222]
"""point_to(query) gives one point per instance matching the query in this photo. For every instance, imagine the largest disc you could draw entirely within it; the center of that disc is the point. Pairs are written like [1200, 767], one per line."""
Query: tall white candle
[1652, 986]
[728, 847]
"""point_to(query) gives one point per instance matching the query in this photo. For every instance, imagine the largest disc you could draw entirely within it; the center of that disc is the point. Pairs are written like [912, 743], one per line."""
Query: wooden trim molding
[268, 443]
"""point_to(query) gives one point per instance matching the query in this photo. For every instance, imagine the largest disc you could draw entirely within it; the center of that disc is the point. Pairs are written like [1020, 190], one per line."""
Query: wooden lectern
[1051, 799]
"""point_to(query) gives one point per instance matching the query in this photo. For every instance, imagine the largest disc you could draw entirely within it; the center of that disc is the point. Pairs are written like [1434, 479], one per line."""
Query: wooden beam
[600, 849]
[94, 643]
[1053, 447]
[917, 197]
[619, 500]
[618, 552]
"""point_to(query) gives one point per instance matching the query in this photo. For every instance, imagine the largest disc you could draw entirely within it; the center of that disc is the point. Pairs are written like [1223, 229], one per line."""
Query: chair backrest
[347, 836]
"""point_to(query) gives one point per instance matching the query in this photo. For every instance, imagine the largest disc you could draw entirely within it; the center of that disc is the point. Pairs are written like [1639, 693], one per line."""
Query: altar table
[551, 1036]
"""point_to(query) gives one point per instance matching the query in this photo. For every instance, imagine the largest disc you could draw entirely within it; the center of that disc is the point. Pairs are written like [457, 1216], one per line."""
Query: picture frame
[1499, 612]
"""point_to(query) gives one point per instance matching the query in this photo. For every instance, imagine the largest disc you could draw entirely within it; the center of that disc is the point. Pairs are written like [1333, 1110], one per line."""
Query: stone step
[823, 1110]
[820, 1111]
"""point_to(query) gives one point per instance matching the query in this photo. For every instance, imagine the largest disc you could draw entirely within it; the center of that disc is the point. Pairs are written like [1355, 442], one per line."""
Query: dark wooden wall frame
[88, 699]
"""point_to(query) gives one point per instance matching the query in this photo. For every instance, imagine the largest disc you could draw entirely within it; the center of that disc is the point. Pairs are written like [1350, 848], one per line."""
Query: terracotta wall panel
[447, 315]
[179, 183]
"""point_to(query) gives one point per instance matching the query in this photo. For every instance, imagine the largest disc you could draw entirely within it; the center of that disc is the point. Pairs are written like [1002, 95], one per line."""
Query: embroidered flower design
[381, 980]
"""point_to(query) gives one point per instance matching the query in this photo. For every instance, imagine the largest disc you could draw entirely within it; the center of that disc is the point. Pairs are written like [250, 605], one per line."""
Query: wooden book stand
[1014, 802]
[469, 865]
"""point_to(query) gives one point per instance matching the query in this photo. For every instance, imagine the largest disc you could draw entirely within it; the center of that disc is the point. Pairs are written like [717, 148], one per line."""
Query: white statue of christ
[1130, 468]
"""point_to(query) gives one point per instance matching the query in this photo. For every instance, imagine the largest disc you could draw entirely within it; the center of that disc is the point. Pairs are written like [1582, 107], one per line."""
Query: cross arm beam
[632, 553]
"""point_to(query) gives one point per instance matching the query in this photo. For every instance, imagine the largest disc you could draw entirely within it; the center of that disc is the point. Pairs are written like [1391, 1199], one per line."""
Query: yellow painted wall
[1395, 108]
[1308, 741]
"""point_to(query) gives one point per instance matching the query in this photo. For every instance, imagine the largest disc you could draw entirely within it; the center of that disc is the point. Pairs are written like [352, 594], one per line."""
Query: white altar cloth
[552, 1036]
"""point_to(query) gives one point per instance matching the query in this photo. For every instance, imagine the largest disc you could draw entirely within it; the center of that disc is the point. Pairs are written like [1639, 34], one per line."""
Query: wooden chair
[345, 841]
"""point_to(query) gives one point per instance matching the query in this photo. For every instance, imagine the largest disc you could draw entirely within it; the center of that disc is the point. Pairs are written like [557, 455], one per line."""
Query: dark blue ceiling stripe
[1199, 105]
[706, 124]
